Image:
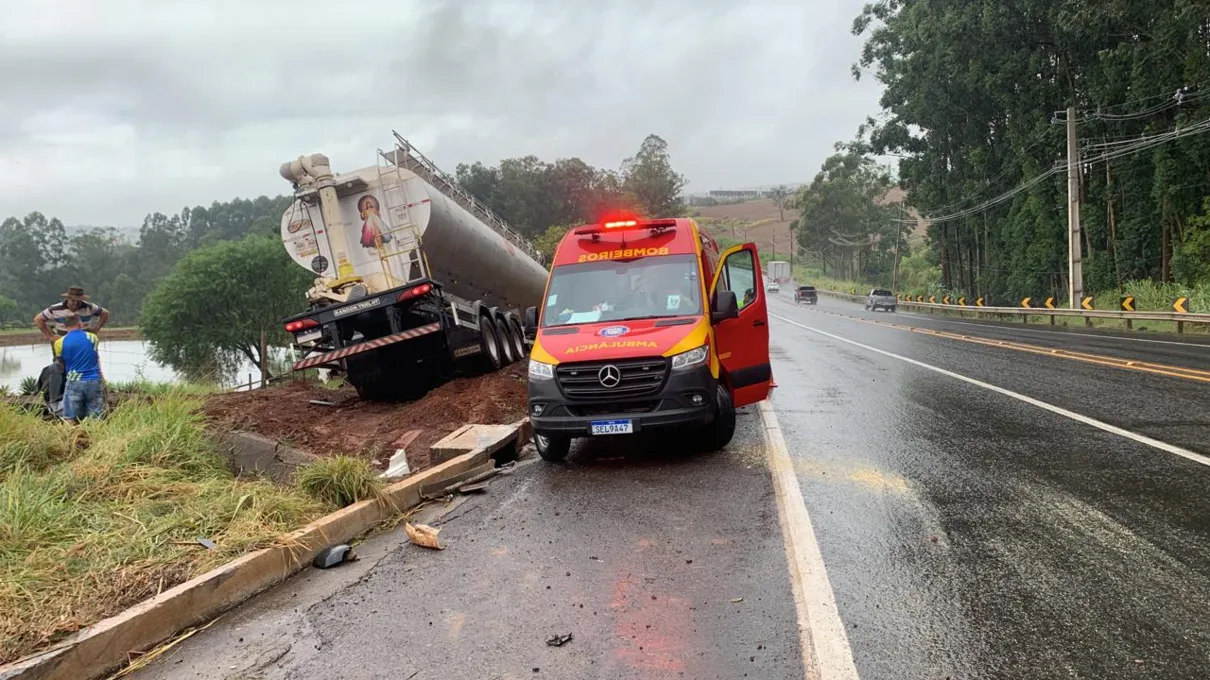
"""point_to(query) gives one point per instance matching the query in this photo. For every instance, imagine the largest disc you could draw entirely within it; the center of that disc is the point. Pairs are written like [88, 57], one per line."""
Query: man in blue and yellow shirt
[84, 393]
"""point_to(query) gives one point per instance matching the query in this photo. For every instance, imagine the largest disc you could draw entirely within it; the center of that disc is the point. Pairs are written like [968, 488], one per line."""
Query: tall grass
[92, 524]
[340, 480]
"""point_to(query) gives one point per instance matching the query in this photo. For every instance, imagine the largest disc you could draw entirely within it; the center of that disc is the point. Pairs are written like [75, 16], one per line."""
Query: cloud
[151, 105]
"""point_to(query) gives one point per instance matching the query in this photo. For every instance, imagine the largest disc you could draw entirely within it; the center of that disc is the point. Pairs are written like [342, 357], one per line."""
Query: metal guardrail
[1024, 313]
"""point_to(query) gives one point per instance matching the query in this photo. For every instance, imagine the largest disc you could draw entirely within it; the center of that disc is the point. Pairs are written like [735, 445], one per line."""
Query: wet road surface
[661, 564]
[965, 533]
[970, 535]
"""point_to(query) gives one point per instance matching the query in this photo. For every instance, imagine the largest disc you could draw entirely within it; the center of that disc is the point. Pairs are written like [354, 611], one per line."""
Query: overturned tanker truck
[416, 280]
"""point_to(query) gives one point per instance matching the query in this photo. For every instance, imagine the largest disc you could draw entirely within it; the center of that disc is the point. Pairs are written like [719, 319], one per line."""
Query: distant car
[806, 294]
[880, 298]
[773, 287]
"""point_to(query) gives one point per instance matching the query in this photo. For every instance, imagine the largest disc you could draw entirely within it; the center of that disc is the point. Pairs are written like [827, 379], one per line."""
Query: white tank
[381, 212]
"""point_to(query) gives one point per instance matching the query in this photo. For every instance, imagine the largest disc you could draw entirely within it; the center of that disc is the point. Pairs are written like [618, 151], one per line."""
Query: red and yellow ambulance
[646, 325]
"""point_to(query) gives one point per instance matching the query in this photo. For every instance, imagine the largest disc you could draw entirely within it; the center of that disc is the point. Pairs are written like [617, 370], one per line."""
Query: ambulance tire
[508, 354]
[719, 432]
[552, 448]
[489, 342]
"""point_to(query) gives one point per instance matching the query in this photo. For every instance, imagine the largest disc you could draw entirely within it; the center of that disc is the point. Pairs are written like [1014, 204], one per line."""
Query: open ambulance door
[742, 340]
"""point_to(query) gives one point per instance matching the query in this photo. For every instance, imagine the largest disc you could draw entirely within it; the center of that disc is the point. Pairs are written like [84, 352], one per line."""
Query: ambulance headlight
[694, 357]
[540, 371]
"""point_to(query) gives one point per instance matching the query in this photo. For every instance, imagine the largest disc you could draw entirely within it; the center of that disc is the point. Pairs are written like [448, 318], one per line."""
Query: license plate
[309, 336]
[611, 427]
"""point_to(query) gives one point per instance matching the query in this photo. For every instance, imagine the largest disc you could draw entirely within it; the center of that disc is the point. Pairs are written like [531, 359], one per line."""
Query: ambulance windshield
[621, 290]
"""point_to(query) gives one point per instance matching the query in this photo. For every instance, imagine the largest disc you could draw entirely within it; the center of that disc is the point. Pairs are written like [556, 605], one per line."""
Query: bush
[340, 480]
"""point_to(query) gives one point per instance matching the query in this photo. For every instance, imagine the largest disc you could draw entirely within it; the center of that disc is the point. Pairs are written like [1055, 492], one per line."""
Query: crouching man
[84, 392]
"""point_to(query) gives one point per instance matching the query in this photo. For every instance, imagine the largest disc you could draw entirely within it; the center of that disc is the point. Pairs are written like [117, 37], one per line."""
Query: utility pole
[1075, 265]
[898, 235]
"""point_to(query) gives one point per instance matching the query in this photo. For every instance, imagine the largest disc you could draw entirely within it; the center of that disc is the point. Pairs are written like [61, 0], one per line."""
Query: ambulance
[646, 326]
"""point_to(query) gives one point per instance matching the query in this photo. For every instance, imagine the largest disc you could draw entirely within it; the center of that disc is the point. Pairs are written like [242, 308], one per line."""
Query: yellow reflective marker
[932, 299]
[1050, 303]
[1086, 303]
[962, 301]
[1127, 303]
[1025, 302]
[1181, 305]
[978, 302]
[945, 300]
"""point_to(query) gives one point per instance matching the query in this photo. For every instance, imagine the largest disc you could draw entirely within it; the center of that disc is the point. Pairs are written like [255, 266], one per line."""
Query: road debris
[398, 466]
[423, 535]
[737, 600]
[559, 640]
[333, 556]
[204, 542]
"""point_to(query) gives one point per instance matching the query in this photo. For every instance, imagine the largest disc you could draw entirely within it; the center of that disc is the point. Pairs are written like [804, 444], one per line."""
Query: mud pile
[373, 430]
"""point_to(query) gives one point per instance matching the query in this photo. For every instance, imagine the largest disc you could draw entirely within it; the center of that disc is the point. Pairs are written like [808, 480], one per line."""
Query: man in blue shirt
[84, 393]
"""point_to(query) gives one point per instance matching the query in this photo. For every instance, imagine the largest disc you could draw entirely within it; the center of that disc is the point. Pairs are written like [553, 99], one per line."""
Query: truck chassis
[402, 342]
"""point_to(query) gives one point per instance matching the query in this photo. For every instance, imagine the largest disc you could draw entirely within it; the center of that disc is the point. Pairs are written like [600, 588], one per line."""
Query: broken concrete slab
[251, 453]
[502, 442]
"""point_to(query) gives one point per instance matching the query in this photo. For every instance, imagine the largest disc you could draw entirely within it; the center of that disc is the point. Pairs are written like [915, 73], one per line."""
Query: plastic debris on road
[559, 640]
[333, 556]
[423, 535]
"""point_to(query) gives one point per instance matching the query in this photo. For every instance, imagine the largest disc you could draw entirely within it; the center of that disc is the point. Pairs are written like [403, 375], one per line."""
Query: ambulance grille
[637, 378]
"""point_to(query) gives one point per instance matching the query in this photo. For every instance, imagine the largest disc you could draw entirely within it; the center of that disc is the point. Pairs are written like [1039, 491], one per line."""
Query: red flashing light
[422, 289]
[621, 224]
[300, 325]
[627, 224]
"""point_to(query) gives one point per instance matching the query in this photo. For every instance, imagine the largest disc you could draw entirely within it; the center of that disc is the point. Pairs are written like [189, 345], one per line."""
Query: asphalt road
[976, 511]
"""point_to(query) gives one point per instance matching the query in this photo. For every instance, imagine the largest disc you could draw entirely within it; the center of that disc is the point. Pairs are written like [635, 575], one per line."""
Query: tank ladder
[408, 157]
[400, 240]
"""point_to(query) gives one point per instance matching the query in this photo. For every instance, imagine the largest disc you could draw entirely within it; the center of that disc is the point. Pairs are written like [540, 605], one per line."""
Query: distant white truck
[779, 271]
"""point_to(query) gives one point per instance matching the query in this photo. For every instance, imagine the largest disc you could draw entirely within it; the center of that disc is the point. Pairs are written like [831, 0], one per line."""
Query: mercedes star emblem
[609, 375]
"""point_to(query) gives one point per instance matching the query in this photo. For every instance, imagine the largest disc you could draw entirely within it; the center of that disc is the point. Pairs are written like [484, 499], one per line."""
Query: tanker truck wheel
[508, 354]
[517, 336]
[489, 342]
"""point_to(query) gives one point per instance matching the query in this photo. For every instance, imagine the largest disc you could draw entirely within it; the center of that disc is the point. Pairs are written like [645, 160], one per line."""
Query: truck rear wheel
[507, 354]
[720, 431]
[489, 343]
[516, 337]
[552, 448]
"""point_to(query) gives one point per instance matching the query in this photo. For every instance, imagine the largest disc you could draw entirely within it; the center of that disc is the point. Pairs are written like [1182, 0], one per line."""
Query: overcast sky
[112, 109]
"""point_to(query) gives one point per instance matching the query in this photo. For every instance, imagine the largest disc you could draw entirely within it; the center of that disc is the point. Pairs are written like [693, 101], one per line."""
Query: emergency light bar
[627, 225]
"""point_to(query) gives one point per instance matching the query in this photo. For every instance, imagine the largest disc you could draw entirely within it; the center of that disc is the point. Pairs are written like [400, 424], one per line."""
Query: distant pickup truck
[880, 298]
[806, 294]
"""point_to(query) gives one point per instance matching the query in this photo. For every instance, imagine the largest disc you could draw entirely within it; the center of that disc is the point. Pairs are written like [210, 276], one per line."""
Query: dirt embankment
[371, 429]
[34, 337]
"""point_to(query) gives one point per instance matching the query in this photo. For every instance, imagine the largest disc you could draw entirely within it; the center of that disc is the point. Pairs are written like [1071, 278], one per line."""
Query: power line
[1061, 166]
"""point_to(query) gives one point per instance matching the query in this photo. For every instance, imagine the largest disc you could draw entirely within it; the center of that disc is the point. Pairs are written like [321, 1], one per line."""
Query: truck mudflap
[366, 346]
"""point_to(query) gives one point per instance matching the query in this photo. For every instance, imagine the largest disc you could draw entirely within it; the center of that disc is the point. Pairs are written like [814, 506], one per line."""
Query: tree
[8, 309]
[549, 241]
[214, 305]
[780, 194]
[648, 177]
[843, 221]
[970, 88]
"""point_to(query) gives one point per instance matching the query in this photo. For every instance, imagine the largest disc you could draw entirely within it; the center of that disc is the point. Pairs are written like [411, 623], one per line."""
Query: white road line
[1142, 439]
[825, 645]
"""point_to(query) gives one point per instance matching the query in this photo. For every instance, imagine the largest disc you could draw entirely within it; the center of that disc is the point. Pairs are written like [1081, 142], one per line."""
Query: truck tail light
[301, 325]
[422, 289]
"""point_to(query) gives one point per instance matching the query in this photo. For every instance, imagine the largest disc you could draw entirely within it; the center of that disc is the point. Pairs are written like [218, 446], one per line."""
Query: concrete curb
[106, 645]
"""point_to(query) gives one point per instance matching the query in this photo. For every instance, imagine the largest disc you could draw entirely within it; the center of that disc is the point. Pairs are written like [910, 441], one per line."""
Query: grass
[160, 389]
[339, 480]
[96, 519]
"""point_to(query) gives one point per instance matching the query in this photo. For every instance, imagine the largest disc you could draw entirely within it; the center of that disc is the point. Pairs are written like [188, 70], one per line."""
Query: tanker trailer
[415, 279]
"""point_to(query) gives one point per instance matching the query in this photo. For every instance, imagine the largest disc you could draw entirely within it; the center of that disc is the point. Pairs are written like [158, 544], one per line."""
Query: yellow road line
[1195, 374]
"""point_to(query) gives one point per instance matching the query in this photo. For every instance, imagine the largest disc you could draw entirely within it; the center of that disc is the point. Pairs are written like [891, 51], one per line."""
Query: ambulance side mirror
[724, 306]
[531, 320]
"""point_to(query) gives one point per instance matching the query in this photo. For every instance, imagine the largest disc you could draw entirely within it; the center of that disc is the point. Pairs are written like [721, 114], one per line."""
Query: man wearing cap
[91, 316]
[84, 393]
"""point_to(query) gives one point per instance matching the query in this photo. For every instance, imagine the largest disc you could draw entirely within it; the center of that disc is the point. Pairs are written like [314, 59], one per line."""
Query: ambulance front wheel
[551, 447]
[720, 431]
